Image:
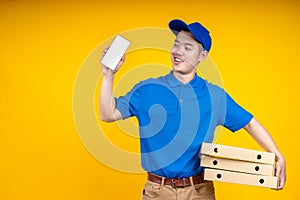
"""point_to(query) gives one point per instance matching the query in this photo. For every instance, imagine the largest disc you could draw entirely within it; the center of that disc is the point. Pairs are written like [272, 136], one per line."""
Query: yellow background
[43, 44]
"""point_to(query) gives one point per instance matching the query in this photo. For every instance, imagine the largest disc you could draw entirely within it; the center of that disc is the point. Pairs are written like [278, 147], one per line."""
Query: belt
[176, 182]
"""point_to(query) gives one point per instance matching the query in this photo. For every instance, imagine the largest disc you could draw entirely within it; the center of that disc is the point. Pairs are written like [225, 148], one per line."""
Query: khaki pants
[202, 191]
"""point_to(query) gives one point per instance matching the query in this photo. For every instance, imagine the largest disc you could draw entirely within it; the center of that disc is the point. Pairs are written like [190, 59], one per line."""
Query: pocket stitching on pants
[152, 190]
[209, 186]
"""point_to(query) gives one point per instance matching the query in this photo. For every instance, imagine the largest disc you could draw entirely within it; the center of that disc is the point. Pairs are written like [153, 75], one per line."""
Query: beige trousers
[202, 191]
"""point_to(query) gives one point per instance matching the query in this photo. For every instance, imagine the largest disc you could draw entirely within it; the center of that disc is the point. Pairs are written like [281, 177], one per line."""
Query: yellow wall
[44, 45]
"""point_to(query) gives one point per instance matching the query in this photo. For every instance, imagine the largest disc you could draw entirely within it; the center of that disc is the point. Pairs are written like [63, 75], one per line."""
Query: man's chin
[176, 67]
[178, 71]
[181, 71]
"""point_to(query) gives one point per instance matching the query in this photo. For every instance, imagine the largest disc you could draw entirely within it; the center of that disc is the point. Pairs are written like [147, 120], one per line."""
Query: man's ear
[202, 56]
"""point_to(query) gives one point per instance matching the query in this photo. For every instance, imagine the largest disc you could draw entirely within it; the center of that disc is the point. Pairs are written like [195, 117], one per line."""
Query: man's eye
[176, 45]
[188, 49]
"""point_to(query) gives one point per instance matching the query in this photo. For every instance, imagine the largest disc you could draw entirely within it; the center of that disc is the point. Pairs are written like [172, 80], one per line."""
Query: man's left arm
[264, 139]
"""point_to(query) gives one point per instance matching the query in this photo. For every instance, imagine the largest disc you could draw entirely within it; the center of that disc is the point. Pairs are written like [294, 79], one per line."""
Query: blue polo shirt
[175, 118]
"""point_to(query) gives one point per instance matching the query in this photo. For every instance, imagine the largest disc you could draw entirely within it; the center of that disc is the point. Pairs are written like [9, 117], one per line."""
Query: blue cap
[200, 33]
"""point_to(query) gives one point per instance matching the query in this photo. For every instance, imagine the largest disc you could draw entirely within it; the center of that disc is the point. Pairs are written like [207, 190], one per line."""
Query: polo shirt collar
[174, 82]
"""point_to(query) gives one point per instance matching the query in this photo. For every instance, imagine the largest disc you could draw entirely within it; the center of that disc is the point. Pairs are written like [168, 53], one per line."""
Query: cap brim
[177, 25]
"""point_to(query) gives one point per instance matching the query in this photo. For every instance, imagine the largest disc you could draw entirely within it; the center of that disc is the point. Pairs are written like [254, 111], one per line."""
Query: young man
[178, 112]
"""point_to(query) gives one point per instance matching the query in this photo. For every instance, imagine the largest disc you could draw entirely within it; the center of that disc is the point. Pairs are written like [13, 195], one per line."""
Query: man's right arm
[108, 109]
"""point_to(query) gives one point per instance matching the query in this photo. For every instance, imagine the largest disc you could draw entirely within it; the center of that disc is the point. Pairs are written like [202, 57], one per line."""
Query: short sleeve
[128, 105]
[236, 117]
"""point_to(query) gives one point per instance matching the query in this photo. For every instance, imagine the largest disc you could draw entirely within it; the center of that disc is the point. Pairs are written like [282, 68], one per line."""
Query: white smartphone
[115, 52]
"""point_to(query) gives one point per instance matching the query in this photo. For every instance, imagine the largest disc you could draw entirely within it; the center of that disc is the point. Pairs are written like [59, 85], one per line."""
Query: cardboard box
[240, 178]
[222, 151]
[237, 165]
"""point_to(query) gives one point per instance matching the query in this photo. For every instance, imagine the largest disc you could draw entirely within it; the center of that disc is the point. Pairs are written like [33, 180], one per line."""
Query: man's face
[186, 53]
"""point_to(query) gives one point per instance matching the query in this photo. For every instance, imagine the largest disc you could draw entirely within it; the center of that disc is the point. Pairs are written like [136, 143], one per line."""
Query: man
[178, 112]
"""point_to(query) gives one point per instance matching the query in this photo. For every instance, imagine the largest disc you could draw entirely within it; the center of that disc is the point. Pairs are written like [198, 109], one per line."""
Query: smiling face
[186, 53]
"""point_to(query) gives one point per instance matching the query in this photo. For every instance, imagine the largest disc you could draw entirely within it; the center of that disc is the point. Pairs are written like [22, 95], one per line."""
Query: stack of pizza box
[238, 165]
